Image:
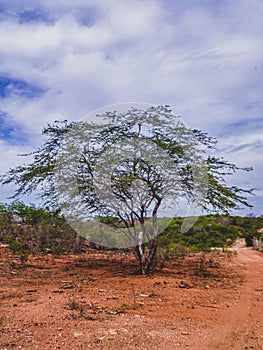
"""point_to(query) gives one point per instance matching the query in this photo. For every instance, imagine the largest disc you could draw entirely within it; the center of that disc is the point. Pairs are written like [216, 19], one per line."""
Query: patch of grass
[123, 308]
[73, 304]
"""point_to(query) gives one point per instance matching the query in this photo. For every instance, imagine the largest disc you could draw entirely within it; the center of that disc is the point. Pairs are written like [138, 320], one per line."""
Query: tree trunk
[151, 256]
[154, 242]
[146, 260]
[140, 252]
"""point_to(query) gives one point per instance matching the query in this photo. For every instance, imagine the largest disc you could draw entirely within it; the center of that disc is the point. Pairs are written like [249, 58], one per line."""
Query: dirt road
[240, 325]
[95, 301]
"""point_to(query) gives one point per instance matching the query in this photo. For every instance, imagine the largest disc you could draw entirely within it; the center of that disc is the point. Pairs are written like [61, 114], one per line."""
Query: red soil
[96, 301]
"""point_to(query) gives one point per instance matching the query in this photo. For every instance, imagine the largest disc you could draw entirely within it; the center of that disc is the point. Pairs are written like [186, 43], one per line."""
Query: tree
[129, 167]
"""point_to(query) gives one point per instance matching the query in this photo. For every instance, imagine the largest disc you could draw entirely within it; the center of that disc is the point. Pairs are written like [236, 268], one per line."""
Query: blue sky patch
[10, 131]
[88, 16]
[34, 15]
[245, 124]
[10, 86]
[11, 11]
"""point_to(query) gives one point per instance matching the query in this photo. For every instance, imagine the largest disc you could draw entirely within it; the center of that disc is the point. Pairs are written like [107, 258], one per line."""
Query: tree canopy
[131, 166]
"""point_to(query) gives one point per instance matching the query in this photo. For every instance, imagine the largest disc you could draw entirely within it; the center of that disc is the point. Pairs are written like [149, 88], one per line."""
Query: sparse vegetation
[27, 229]
[32, 230]
[208, 233]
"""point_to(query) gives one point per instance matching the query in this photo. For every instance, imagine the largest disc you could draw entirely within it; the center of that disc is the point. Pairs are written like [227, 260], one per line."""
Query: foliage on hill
[29, 229]
[210, 231]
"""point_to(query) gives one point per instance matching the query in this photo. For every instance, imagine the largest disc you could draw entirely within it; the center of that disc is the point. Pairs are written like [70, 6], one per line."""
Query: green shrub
[18, 247]
[178, 250]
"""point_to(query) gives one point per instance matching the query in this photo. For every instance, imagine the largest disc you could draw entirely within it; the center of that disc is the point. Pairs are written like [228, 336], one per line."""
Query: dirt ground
[96, 301]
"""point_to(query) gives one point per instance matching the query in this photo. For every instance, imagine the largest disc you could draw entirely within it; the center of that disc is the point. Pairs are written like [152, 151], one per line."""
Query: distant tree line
[28, 229]
[209, 231]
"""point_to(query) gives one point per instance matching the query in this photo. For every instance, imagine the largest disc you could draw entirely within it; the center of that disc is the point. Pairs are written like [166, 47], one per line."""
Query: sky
[63, 60]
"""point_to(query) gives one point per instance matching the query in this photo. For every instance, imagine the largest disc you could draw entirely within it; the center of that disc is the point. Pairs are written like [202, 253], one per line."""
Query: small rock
[184, 333]
[184, 284]
[67, 286]
[156, 283]
[78, 334]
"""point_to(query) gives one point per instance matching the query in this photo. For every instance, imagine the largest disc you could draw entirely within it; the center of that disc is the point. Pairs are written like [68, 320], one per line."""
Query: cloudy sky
[62, 60]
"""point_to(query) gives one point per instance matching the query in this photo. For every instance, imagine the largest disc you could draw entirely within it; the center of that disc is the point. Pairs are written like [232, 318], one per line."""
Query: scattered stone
[100, 338]
[156, 283]
[211, 306]
[112, 298]
[67, 286]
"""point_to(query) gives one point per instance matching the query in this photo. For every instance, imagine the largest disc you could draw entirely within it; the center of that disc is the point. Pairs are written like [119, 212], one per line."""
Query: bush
[178, 250]
[18, 247]
[35, 230]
